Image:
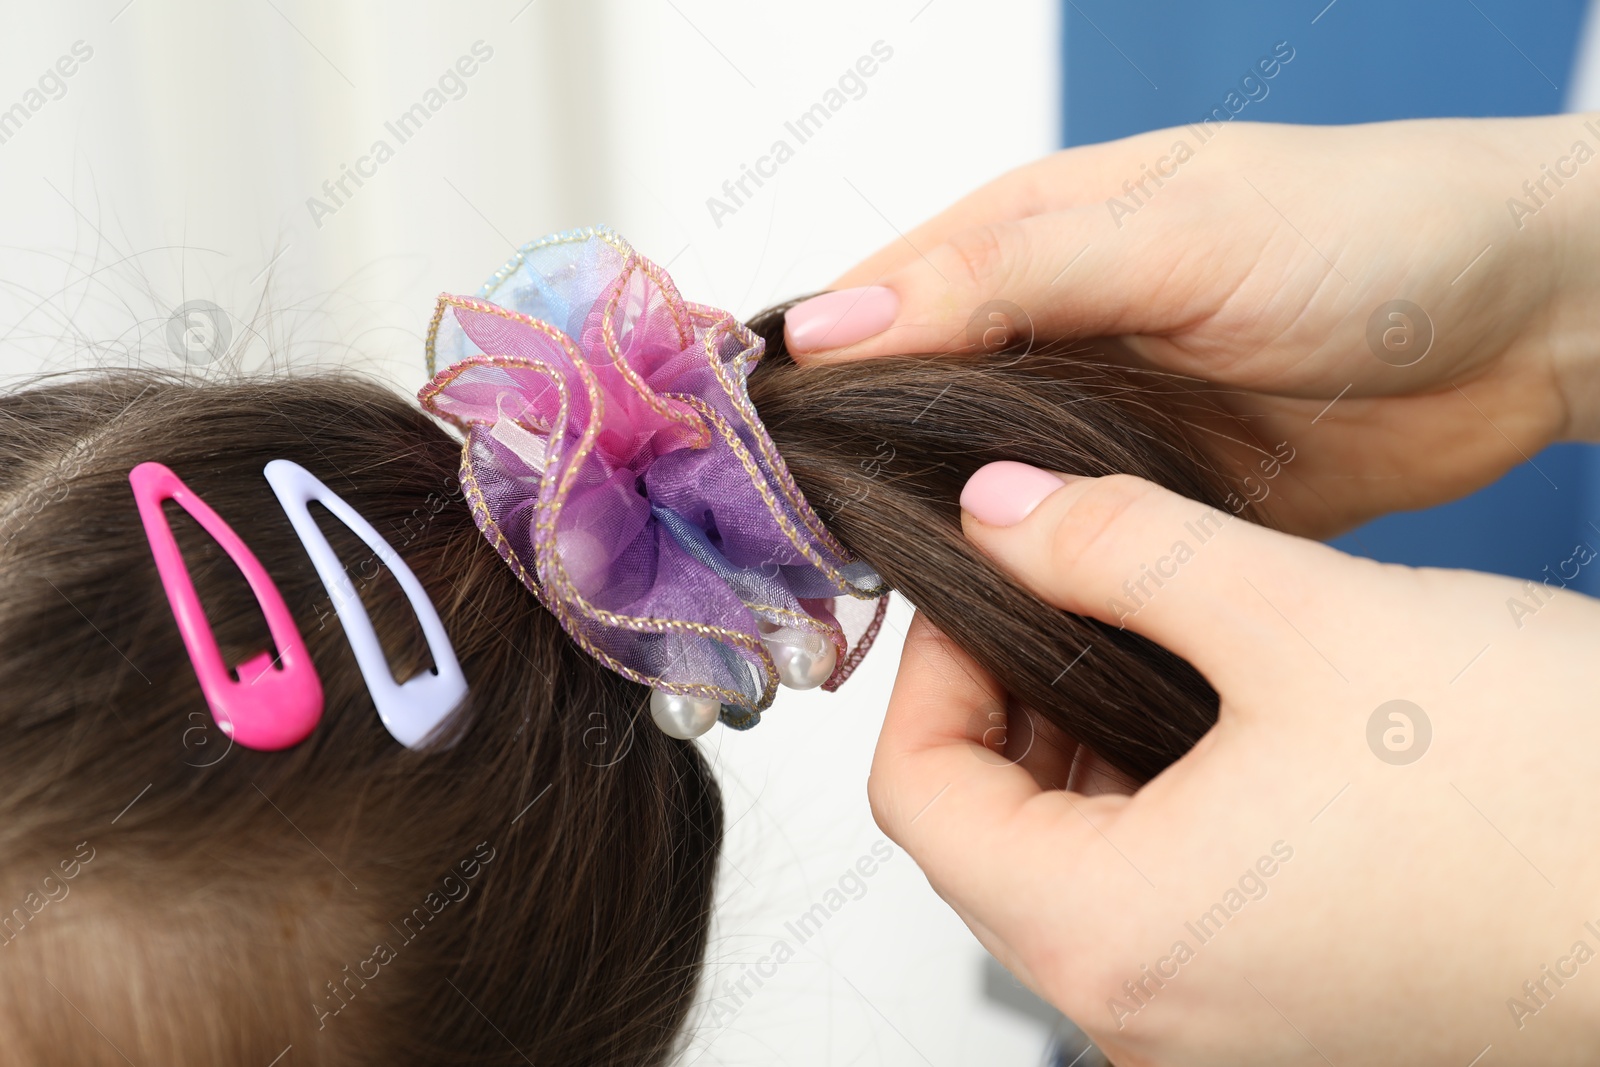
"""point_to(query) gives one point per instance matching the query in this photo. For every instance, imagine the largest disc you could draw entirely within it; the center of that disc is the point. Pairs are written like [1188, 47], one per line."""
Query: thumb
[1247, 606]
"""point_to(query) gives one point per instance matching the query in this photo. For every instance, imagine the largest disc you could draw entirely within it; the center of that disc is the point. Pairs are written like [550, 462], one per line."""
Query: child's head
[539, 890]
[537, 886]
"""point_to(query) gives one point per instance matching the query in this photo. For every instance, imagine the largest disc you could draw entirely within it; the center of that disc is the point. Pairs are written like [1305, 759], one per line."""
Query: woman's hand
[1266, 259]
[1386, 851]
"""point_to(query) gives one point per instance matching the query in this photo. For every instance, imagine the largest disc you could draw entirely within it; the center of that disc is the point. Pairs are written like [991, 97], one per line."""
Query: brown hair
[882, 450]
[537, 888]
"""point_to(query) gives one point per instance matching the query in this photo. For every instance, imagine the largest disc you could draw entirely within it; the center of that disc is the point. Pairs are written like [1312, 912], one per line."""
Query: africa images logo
[451, 85]
[805, 126]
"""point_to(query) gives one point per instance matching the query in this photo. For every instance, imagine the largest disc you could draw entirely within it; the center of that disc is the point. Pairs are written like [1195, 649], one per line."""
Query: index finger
[973, 821]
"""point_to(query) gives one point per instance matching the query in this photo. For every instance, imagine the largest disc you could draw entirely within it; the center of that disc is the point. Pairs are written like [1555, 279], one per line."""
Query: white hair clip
[412, 710]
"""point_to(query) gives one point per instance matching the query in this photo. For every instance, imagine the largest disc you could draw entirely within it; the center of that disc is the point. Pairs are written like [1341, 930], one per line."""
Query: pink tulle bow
[614, 460]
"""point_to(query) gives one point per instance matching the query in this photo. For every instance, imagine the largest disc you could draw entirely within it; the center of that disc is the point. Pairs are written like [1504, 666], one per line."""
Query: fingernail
[840, 318]
[1005, 493]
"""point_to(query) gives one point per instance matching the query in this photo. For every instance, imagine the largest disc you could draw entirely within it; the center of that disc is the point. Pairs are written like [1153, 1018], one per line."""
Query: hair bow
[614, 460]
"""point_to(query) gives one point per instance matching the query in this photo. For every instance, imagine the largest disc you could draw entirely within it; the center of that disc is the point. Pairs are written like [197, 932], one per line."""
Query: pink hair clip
[264, 703]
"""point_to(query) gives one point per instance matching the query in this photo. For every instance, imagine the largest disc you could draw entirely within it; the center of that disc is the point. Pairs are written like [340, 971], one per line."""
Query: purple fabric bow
[614, 460]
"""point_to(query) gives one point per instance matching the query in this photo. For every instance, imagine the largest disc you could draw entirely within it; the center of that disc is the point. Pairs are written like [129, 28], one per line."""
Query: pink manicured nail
[840, 318]
[1005, 493]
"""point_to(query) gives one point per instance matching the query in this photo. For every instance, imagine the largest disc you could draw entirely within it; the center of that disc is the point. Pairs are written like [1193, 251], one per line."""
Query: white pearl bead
[683, 717]
[804, 661]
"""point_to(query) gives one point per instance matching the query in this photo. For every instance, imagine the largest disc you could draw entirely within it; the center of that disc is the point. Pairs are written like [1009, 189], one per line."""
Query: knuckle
[978, 258]
[1084, 986]
[1028, 190]
[1098, 514]
[880, 799]
[1081, 969]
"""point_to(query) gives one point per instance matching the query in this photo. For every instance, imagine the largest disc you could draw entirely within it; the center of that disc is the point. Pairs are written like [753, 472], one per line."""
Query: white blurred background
[177, 161]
